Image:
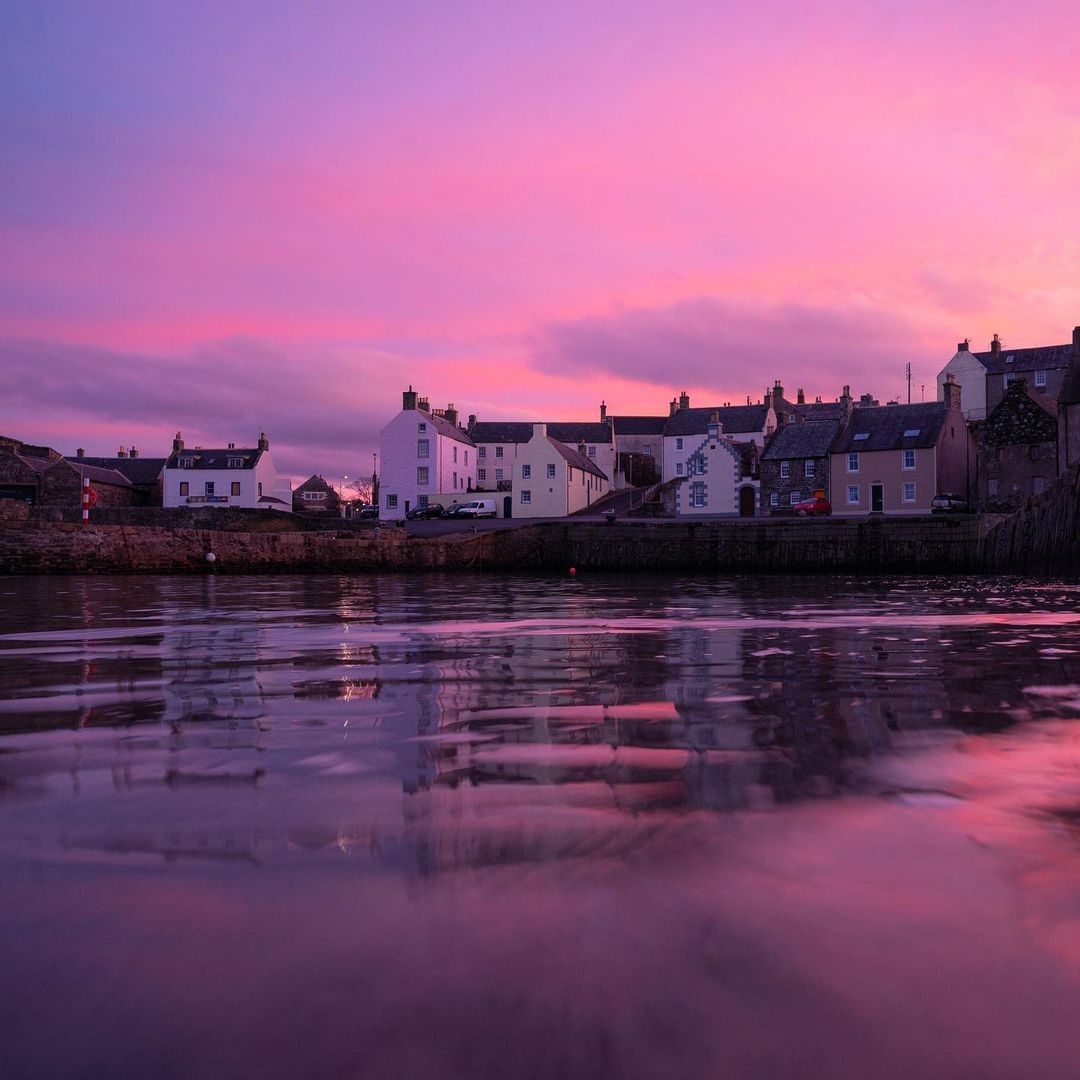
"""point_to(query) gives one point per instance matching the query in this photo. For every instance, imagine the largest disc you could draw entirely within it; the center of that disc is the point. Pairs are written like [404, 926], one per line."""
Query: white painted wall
[569, 490]
[450, 464]
[263, 479]
[971, 375]
[721, 481]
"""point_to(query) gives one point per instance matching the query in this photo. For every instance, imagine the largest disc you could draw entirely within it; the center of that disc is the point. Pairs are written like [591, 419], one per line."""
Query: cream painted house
[232, 476]
[551, 480]
[716, 483]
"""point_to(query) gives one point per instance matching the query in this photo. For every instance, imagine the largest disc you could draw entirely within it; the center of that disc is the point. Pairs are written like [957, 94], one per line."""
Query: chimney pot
[264, 442]
[1076, 338]
[80, 452]
[995, 346]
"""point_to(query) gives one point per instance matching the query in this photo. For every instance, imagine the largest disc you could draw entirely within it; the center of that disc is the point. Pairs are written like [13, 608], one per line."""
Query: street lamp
[374, 478]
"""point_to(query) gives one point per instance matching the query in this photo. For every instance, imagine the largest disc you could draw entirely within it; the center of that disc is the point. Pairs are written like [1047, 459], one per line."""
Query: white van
[478, 508]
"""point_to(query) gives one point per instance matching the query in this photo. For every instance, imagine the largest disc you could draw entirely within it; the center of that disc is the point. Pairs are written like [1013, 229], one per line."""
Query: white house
[716, 482]
[687, 428]
[424, 457]
[234, 476]
[551, 480]
[969, 372]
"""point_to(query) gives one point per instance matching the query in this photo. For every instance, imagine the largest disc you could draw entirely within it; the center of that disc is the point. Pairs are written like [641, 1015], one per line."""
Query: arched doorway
[508, 506]
[747, 501]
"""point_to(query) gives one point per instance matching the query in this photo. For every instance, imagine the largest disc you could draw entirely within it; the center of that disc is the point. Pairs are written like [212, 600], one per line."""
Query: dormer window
[236, 463]
[185, 462]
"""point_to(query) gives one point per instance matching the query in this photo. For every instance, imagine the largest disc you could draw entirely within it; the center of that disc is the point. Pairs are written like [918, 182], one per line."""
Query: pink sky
[277, 217]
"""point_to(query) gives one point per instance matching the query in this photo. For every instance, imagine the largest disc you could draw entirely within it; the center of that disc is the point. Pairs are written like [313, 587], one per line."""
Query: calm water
[471, 827]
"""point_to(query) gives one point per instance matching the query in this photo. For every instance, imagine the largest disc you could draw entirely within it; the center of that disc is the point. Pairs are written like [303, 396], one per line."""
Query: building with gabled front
[1017, 448]
[552, 480]
[718, 480]
[424, 456]
[232, 476]
[143, 473]
[795, 463]
[316, 496]
[639, 449]
[686, 428]
[893, 459]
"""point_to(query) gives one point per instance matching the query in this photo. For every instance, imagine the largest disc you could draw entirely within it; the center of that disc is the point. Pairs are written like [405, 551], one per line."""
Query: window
[551, 472]
[774, 499]
[678, 468]
[236, 489]
[498, 475]
[308, 496]
[852, 494]
[183, 487]
[678, 444]
[235, 462]
[421, 427]
[455, 480]
[1038, 485]
[1040, 378]
[912, 432]
[647, 450]
[498, 451]
[808, 470]
[1008, 378]
[209, 487]
[422, 474]
[466, 457]
[391, 502]
[697, 494]
[526, 495]
[1033, 452]
[481, 452]
[481, 474]
[423, 448]
[853, 463]
[526, 472]
[909, 492]
[184, 462]
[592, 452]
[455, 455]
[260, 489]
[909, 459]
[992, 488]
[785, 470]
[795, 497]
[421, 501]
[861, 435]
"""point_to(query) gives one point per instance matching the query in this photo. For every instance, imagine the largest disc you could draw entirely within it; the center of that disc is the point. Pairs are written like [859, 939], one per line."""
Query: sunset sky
[238, 216]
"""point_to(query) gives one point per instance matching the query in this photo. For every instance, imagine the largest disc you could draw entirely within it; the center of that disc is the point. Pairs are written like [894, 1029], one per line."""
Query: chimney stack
[133, 452]
[539, 431]
[582, 449]
[673, 407]
[423, 405]
[800, 397]
[177, 444]
[80, 452]
[264, 442]
[472, 421]
[603, 411]
[995, 346]
[408, 398]
[451, 414]
[847, 403]
[950, 391]
[684, 400]
[1076, 339]
[121, 453]
[962, 346]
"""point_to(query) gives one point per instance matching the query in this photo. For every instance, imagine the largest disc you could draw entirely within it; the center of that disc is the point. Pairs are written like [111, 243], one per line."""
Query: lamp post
[341, 494]
[374, 478]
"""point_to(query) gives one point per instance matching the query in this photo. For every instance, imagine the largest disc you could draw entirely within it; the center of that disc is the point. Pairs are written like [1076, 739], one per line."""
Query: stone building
[1017, 448]
[1069, 411]
[795, 463]
[144, 473]
[316, 496]
[61, 484]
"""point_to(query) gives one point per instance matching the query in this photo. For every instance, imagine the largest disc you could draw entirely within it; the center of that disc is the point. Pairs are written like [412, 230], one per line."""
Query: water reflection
[715, 821]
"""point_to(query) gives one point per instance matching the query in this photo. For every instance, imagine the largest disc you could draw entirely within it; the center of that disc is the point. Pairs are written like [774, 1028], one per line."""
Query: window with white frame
[526, 472]
[909, 459]
[498, 451]
[1008, 378]
[310, 496]
[1040, 378]
[421, 501]
[209, 487]
[481, 474]
[808, 469]
[852, 494]
[909, 492]
[391, 502]
[774, 498]
[455, 455]
[526, 495]
[235, 463]
[647, 450]
[697, 494]
[678, 444]
[678, 468]
[853, 463]
[185, 462]
[551, 471]
[785, 470]
[481, 452]
[498, 475]
[423, 448]
[795, 497]
[592, 452]
[421, 428]
[422, 474]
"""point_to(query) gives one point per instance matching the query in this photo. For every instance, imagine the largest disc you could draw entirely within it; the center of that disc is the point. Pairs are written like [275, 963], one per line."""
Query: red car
[810, 507]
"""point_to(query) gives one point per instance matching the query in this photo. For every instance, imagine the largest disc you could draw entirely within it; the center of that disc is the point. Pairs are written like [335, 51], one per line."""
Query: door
[508, 506]
[746, 502]
[877, 498]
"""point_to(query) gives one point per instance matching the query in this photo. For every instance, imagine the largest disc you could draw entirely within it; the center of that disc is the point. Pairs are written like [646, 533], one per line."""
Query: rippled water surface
[489, 827]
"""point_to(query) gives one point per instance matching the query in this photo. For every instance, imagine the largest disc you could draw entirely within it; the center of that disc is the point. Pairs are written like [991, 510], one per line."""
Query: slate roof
[639, 425]
[885, 426]
[139, 470]
[821, 410]
[95, 474]
[803, 439]
[521, 431]
[215, 459]
[1042, 357]
[733, 418]
[1070, 390]
[578, 461]
[444, 427]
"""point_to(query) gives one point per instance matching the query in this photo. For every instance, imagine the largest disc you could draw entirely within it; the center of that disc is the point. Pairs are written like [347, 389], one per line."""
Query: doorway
[508, 506]
[877, 498]
[747, 501]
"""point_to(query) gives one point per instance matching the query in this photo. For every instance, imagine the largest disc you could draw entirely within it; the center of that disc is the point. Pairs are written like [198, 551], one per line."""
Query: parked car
[369, 513]
[452, 511]
[947, 503]
[478, 508]
[813, 507]
[432, 510]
